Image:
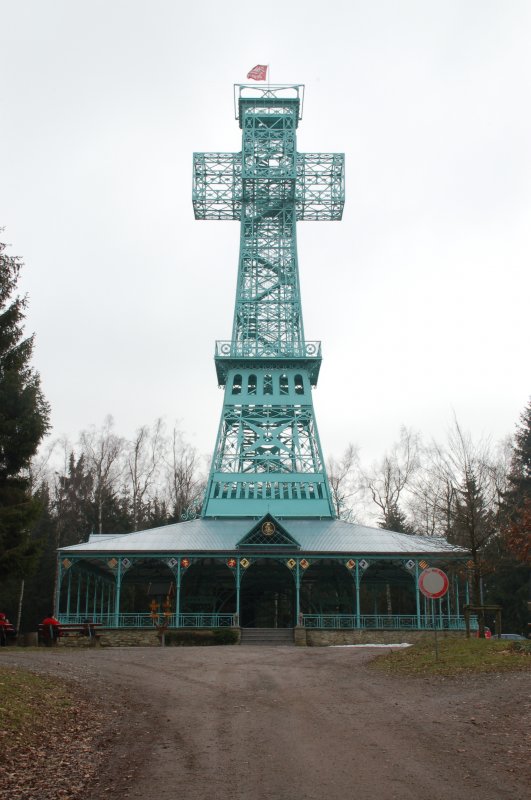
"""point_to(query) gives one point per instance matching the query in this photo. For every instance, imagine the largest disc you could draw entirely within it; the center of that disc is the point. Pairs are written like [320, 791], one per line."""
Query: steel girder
[219, 190]
[268, 455]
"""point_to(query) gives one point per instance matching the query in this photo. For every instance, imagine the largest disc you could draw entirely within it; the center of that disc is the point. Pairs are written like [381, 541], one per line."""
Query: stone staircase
[267, 636]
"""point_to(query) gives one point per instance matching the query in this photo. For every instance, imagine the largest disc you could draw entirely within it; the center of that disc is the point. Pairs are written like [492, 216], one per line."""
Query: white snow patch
[393, 645]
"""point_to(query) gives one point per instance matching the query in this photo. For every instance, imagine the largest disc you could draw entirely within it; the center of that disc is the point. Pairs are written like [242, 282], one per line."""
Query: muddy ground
[286, 723]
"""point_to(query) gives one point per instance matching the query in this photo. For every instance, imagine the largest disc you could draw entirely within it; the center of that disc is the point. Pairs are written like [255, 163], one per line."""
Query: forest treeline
[471, 494]
[56, 493]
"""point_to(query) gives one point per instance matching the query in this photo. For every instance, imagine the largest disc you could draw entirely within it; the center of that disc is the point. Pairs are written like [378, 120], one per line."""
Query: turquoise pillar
[68, 591]
[238, 581]
[357, 579]
[95, 597]
[57, 599]
[417, 592]
[117, 592]
[297, 592]
[78, 599]
[87, 587]
[178, 595]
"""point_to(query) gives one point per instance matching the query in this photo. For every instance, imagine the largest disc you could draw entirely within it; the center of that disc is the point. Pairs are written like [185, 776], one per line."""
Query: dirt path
[255, 723]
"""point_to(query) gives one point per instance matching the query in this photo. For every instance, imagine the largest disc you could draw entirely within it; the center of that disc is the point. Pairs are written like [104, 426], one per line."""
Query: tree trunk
[19, 610]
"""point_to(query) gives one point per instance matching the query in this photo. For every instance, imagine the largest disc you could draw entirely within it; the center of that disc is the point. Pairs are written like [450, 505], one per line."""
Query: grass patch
[456, 657]
[25, 699]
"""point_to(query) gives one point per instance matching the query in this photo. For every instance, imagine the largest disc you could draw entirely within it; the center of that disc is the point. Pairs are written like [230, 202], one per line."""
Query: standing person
[51, 629]
[5, 626]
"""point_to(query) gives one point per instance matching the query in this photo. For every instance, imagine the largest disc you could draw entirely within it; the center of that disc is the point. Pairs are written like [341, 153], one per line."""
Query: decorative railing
[146, 621]
[257, 348]
[323, 621]
[387, 622]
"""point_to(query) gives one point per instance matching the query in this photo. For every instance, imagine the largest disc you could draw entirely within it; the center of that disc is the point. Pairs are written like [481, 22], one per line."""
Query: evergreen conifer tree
[24, 420]
[517, 500]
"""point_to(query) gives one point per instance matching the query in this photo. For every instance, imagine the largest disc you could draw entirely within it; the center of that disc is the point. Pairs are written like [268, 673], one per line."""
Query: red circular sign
[433, 583]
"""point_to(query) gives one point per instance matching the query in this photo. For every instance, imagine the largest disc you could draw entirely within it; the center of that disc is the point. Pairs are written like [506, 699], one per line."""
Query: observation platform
[253, 353]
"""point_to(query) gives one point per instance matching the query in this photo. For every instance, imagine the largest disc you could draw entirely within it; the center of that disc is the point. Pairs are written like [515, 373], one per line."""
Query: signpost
[433, 583]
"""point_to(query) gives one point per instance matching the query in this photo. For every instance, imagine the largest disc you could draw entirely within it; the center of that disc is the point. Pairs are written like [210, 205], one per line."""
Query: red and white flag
[258, 73]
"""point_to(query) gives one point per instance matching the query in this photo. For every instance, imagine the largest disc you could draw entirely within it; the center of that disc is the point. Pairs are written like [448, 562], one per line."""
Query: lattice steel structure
[268, 456]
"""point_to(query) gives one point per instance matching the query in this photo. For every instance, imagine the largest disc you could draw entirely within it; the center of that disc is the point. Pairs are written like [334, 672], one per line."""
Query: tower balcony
[256, 354]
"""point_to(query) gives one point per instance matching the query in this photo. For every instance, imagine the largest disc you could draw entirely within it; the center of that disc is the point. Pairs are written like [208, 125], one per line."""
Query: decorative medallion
[350, 563]
[423, 564]
[231, 562]
[268, 528]
[470, 564]
[112, 563]
[363, 564]
[245, 563]
[304, 564]
[126, 564]
[291, 563]
[172, 562]
[410, 564]
[185, 563]
[66, 563]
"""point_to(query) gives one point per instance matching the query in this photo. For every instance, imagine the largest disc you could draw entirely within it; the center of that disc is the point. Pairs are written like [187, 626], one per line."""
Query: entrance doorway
[267, 596]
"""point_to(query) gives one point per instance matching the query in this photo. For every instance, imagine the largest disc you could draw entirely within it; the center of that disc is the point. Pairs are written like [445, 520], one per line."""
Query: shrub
[202, 638]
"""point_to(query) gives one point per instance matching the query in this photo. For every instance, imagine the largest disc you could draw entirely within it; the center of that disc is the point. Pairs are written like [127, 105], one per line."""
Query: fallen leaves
[51, 743]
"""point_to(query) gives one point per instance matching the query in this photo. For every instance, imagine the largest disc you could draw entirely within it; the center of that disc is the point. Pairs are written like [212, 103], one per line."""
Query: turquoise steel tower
[268, 456]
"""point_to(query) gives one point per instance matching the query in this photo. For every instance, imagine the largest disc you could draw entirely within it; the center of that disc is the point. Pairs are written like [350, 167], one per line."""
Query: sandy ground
[285, 723]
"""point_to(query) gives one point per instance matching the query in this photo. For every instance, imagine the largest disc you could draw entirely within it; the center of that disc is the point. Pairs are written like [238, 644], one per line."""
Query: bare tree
[102, 451]
[344, 480]
[387, 481]
[184, 483]
[143, 464]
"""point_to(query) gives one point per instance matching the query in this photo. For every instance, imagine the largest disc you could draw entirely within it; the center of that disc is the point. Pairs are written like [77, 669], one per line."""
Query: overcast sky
[420, 295]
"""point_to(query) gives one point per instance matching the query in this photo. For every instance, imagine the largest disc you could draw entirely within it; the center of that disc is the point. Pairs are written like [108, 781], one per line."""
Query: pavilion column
[238, 581]
[417, 591]
[102, 597]
[68, 592]
[117, 592]
[297, 592]
[95, 597]
[178, 595]
[457, 609]
[78, 598]
[58, 588]
[87, 587]
[357, 581]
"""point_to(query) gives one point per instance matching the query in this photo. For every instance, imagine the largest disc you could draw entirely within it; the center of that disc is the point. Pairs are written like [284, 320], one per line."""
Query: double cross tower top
[268, 456]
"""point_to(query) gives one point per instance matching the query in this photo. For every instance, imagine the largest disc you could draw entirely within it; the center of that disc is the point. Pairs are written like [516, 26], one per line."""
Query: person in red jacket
[51, 629]
[6, 629]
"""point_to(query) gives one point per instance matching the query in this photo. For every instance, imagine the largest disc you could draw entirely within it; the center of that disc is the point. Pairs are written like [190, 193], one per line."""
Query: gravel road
[286, 723]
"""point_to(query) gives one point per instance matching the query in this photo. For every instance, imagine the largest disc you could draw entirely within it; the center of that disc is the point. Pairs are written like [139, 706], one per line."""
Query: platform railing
[323, 621]
[386, 622]
[144, 620]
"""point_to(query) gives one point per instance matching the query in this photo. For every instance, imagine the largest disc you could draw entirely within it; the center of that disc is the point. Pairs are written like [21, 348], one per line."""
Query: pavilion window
[299, 384]
[251, 384]
[284, 386]
[237, 384]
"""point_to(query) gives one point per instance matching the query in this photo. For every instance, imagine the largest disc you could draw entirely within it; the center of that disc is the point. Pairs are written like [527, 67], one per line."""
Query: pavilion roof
[222, 535]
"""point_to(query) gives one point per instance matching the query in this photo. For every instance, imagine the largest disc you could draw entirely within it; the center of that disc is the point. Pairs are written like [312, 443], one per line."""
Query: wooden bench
[89, 629]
